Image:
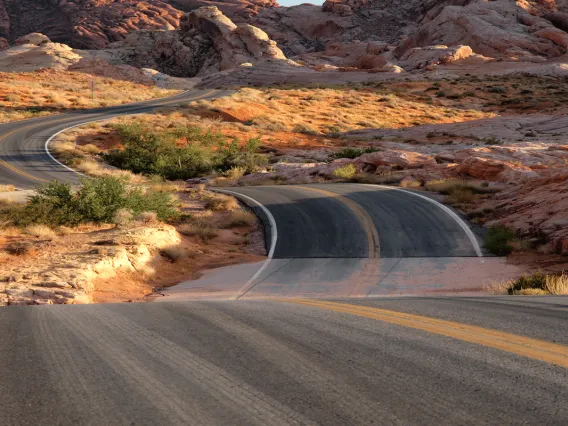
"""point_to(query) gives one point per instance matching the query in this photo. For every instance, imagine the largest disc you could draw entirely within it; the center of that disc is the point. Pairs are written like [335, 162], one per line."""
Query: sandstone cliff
[207, 41]
[93, 24]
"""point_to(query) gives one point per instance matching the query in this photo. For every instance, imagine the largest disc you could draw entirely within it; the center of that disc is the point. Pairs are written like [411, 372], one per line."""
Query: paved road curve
[350, 361]
[24, 161]
[278, 363]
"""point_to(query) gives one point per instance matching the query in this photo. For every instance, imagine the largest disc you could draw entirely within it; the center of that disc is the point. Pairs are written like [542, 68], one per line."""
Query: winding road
[308, 341]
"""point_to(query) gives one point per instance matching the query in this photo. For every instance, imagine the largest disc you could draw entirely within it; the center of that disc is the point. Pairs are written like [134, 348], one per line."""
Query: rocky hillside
[206, 42]
[93, 24]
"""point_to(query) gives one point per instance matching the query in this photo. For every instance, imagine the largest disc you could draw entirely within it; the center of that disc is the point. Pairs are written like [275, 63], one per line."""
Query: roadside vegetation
[26, 95]
[538, 283]
[97, 201]
[182, 152]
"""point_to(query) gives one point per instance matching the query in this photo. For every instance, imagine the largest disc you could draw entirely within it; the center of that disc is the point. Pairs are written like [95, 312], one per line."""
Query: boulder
[4, 44]
[34, 38]
[420, 57]
[397, 159]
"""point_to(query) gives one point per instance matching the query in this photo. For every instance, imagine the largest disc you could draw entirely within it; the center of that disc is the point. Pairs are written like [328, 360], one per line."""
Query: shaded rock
[207, 42]
[34, 38]
[420, 57]
[397, 159]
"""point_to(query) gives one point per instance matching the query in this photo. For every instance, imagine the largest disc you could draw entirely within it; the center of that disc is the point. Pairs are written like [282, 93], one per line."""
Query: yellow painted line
[32, 177]
[362, 215]
[541, 350]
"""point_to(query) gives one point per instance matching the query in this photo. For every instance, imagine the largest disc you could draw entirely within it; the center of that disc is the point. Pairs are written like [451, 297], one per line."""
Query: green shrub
[98, 200]
[152, 153]
[497, 240]
[351, 152]
[345, 172]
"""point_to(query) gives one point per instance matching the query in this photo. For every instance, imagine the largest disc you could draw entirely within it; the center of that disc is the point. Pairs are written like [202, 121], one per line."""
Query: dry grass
[122, 217]
[411, 184]
[173, 253]
[531, 285]
[147, 217]
[9, 231]
[329, 110]
[345, 172]
[41, 231]
[204, 230]
[7, 188]
[92, 167]
[21, 248]
[557, 284]
[26, 95]
[239, 218]
[220, 202]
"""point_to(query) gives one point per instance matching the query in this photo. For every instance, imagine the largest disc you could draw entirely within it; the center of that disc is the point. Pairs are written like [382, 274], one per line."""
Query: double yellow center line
[524, 346]
[364, 219]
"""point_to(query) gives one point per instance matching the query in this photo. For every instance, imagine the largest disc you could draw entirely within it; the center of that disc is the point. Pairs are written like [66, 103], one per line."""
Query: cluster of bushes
[98, 200]
[539, 283]
[498, 240]
[158, 153]
[352, 152]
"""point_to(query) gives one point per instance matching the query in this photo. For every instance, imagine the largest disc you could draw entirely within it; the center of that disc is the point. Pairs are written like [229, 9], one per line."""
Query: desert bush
[122, 217]
[497, 240]
[7, 188]
[41, 231]
[411, 184]
[204, 230]
[239, 218]
[539, 283]
[97, 200]
[235, 173]
[20, 248]
[460, 196]
[89, 149]
[158, 153]
[352, 153]
[173, 253]
[219, 202]
[345, 172]
[147, 217]
[447, 186]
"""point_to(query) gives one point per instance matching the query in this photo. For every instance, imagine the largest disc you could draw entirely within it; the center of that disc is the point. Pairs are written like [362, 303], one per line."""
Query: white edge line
[273, 238]
[449, 211]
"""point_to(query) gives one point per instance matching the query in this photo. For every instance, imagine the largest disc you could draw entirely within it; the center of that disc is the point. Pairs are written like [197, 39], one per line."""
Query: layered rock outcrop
[85, 24]
[93, 24]
[206, 42]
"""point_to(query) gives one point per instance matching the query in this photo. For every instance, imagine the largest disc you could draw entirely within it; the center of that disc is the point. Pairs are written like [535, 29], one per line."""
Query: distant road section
[24, 161]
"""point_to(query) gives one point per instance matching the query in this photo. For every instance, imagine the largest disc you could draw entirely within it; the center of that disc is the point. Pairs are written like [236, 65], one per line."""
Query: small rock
[54, 284]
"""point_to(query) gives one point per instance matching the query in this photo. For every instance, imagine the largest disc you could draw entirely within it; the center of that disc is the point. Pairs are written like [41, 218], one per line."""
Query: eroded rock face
[489, 28]
[93, 24]
[206, 42]
[85, 24]
[239, 11]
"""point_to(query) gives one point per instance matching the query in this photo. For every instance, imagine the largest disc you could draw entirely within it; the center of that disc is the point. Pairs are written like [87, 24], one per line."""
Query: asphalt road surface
[280, 363]
[344, 361]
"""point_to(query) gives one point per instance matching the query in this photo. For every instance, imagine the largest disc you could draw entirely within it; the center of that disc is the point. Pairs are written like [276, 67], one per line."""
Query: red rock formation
[237, 10]
[93, 24]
